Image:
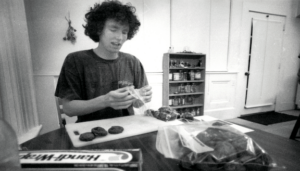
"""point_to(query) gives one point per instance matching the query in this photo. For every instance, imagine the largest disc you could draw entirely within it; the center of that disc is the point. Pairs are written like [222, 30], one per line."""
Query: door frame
[243, 68]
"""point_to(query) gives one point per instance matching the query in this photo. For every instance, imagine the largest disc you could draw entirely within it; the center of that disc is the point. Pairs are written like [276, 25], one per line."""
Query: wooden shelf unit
[170, 87]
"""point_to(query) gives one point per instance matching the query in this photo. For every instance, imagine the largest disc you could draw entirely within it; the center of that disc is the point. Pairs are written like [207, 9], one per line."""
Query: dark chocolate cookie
[115, 130]
[88, 136]
[99, 131]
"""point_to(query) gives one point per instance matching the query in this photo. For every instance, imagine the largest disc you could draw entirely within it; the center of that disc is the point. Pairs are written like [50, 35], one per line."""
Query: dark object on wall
[70, 34]
[268, 118]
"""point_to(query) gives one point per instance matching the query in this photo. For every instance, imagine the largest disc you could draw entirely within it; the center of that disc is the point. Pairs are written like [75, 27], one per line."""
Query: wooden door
[264, 60]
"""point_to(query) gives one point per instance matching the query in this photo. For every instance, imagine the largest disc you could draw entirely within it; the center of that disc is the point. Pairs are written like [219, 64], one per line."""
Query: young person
[91, 81]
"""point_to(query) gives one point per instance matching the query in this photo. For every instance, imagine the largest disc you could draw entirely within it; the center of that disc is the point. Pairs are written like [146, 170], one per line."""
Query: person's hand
[119, 99]
[146, 93]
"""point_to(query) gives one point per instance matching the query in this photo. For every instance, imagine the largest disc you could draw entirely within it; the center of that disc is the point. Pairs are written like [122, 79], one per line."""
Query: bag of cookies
[207, 146]
[139, 104]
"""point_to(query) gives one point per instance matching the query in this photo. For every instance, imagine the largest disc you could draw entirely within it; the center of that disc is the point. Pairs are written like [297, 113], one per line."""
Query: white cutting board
[133, 125]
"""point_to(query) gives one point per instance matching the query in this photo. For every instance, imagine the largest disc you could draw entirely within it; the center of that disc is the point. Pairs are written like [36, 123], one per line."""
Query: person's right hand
[119, 99]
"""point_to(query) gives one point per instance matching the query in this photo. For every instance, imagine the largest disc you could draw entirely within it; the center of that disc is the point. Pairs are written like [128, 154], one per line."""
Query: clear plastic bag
[207, 147]
[139, 104]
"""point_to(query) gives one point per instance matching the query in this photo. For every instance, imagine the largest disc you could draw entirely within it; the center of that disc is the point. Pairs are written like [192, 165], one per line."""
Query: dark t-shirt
[84, 76]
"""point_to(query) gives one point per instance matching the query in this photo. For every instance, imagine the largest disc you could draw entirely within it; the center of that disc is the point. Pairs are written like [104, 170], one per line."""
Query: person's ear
[99, 33]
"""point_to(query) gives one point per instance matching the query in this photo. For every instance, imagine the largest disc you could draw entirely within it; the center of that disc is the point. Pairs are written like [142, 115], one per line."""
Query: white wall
[212, 27]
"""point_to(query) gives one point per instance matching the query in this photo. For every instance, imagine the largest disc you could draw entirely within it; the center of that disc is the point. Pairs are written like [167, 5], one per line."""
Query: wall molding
[217, 72]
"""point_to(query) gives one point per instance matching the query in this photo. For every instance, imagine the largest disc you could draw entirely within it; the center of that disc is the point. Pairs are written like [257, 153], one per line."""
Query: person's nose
[119, 35]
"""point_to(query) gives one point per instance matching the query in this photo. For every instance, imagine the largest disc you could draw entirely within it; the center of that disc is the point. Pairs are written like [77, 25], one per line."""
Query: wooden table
[284, 151]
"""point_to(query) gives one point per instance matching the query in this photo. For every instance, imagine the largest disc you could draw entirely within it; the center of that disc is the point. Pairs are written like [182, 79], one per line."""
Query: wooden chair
[61, 119]
[295, 129]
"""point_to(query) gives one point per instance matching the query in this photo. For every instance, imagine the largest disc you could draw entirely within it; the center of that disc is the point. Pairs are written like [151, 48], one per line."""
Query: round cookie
[88, 136]
[115, 130]
[99, 131]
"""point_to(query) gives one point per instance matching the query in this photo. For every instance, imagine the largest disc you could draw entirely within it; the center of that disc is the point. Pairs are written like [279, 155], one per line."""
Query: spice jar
[180, 75]
[199, 63]
[170, 76]
[198, 75]
[174, 62]
[183, 100]
[193, 112]
[182, 88]
[178, 63]
[188, 88]
[176, 76]
[175, 101]
[179, 101]
[192, 75]
[198, 111]
[170, 101]
[188, 64]
[190, 100]
[193, 88]
[181, 64]
[185, 75]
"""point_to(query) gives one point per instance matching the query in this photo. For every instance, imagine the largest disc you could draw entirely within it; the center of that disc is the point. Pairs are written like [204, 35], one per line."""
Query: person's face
[113, 36]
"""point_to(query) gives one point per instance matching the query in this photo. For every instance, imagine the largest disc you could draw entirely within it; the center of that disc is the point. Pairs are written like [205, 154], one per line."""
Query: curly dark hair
[110, 9]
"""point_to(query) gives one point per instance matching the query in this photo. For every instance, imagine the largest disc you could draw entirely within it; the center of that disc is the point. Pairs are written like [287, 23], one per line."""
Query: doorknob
[247, 73]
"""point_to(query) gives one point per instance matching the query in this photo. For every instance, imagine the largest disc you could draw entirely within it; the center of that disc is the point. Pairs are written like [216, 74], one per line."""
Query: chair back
[61, 119]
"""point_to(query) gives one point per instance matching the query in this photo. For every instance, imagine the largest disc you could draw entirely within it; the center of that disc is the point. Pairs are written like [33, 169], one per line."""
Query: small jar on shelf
[170, 101]
[187, 88]
[170, 76]
[198, 111]
[176, 76]
[175, 101]
[192, 75]
[200, 63]
[180, 75]
[182, 63]
[193, 88]
[188, 64]
[185, 76]
[183, 100]
[181, 88]
[178, 63]
[174, 63]
[197, 75]
[190, 100]
[179, 101]
[193, 112]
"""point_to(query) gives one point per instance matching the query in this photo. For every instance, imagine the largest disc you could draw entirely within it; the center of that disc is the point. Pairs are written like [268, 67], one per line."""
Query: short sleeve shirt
[85, 75]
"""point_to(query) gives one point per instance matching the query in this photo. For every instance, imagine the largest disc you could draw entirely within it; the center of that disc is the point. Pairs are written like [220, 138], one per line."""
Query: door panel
[264, 60]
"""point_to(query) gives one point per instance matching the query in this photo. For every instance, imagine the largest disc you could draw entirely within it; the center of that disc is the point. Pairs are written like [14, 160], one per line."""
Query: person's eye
[125, 32]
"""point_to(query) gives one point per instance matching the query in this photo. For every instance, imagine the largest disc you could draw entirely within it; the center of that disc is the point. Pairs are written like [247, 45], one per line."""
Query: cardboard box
[112, 160]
